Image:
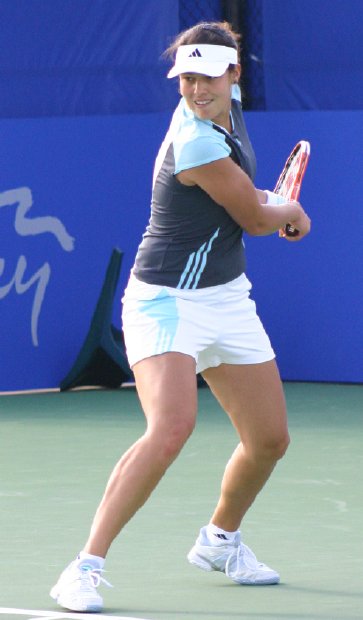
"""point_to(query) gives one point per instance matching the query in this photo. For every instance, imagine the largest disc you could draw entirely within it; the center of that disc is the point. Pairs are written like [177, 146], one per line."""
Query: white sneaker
[234, 559]
[76, 588]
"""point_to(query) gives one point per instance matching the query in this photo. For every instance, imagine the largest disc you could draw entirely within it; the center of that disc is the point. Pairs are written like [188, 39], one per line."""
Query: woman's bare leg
[166, 385]
[252, 395]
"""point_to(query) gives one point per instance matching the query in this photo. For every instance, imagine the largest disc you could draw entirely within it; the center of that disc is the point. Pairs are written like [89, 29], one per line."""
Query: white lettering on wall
[21, 198]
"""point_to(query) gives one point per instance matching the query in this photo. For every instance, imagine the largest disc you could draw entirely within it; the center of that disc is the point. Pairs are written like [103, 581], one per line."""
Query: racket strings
[290, 184]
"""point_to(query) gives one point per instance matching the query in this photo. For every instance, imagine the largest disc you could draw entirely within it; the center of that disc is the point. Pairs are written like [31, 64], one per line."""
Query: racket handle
[290, 231]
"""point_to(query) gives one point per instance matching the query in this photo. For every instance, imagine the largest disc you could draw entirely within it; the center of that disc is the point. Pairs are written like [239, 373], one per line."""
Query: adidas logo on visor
[196, 54]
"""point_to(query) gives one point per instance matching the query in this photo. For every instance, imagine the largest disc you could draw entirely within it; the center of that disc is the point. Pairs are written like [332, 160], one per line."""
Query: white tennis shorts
[215, 325]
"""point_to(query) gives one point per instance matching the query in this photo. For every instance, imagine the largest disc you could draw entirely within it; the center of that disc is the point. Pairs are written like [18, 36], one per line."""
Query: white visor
[211, 60]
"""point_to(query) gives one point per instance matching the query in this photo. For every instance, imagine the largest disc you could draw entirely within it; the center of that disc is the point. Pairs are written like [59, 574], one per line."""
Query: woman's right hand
[301, 223]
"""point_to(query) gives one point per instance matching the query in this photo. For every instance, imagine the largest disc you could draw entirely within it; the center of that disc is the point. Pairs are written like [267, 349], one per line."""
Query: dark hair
[210, 33]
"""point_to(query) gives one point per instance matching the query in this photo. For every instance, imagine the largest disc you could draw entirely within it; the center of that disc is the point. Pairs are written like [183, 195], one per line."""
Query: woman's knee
[170, 437]
[269, 448]
[275, 447]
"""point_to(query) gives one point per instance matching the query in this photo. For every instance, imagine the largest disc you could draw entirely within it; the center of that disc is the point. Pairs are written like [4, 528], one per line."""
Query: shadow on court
[57, 450]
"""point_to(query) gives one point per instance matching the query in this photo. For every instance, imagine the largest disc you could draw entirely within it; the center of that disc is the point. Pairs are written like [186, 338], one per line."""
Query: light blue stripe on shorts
[163, 309]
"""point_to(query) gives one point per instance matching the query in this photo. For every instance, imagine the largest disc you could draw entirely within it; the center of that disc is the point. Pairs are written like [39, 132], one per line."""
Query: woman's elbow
[256, 228]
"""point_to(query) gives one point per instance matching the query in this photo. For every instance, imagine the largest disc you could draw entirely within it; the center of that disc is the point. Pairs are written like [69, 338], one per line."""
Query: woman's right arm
[231, 188]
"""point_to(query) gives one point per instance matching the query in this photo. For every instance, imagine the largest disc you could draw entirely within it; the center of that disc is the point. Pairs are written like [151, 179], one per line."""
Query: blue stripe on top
[195, 260]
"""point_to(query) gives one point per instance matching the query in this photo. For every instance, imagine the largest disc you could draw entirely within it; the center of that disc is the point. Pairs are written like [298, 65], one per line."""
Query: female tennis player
[187, 310]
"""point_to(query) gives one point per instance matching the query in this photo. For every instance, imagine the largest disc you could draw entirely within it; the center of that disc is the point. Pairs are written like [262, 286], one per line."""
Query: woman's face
[209, 98]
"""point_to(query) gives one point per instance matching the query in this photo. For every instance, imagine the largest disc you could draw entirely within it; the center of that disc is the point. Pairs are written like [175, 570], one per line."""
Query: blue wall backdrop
[313, 54]
[67, 57]
[83, 107]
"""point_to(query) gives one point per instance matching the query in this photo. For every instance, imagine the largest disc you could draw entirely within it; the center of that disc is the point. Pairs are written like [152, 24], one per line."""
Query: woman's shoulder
[195, 141]
[189, 127]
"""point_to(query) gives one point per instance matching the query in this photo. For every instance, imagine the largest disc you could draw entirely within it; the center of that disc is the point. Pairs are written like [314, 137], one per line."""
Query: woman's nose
[199, 87]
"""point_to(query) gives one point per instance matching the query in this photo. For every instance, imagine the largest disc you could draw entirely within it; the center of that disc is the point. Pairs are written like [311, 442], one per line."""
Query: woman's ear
[237, 74]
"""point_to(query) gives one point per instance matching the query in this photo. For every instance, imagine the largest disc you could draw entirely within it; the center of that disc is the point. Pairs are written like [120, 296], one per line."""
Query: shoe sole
[268, 582]
[90, 608]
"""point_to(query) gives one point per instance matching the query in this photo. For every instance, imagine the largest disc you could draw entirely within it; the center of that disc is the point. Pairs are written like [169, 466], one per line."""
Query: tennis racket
[290, 179]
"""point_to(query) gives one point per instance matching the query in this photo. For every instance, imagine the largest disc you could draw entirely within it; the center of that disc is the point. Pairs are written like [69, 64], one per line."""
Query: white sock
[217, 536]
[94, 560]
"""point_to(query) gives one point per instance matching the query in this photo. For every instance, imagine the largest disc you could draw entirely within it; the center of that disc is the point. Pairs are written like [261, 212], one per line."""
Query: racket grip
[290, 231]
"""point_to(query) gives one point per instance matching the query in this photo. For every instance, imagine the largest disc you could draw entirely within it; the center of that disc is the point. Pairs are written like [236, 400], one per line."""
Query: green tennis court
[57, 450]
